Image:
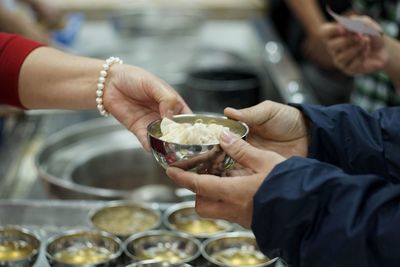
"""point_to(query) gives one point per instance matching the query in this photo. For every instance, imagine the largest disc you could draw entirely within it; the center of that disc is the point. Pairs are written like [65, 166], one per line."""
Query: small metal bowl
[125, 218]
[161, 245]
[234, 249]
[19, 247]
[209, 158]
[182, 217]
[79, 248]
[155, 263]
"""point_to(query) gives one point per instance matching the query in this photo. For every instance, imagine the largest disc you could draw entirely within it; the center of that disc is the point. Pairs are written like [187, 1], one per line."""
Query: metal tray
[50, 217]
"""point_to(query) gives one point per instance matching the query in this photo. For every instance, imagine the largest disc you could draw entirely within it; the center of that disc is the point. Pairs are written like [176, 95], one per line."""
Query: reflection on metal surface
[281, 67]
[126, 218]
[82, 248]
[235, 249]
[274, 51]
[163, 246]
[19, 247]
[182, 217]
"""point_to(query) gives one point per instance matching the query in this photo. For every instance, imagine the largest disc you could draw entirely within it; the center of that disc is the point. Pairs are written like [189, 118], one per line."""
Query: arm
[392, 67]
[14, 22]
[310, 213]
[356, 141]
[52, 79]
[314, 214]
[343, 135]
[309, 14]
[311, 17]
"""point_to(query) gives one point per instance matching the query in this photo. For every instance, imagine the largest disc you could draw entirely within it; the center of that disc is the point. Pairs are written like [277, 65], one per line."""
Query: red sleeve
[13, 51]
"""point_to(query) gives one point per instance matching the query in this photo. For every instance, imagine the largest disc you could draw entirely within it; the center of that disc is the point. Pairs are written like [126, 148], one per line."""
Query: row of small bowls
[103, 247]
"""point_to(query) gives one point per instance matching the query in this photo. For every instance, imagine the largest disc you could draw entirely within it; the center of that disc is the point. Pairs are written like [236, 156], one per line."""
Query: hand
[136, 98]
[355, 53]
[48, 14]
[230, 198]
[275, 127]
[314, 48]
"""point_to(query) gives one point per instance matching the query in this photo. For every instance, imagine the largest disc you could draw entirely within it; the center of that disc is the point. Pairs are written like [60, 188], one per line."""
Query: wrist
[105, 78]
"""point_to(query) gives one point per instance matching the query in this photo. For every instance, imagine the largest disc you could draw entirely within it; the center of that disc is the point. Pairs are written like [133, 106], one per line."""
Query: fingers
[242, 152]
[142, 137]
[208, 208]
[255, 115]
[349, 57]
[170, 103]
[209, 186]
[329, 31]
[367, 21]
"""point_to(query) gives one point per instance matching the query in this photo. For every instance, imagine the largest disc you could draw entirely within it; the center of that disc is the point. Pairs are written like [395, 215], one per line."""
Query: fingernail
[169, 113]
[228, 137]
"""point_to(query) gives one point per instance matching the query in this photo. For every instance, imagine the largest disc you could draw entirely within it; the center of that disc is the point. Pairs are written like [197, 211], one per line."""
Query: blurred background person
[304, 39]
[30, 18]
[373, 89]
[298, 23]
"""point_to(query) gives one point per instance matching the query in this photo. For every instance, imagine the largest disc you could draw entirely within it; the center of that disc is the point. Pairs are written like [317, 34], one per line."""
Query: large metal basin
[100, 159]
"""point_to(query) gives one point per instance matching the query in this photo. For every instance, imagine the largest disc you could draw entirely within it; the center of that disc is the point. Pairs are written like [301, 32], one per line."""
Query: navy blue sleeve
[355, 140]
[313, 214]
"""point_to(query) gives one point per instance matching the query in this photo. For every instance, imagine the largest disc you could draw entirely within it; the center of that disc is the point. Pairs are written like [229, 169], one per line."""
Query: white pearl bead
[100, 86]
[103, 73]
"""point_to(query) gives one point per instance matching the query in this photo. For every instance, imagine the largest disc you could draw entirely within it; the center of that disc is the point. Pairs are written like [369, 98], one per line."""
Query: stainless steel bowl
[101, 159]
[80, 248]
[182, 217]
[155, 263]
[172, 247]
[126, 218]
[234, 249]
[197, 158]
[19, 247]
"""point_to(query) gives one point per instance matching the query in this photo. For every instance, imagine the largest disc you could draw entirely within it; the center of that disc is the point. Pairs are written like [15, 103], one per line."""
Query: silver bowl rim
[160, 233]
[153, 207]
[245, 234]
[113, 256]
[244, 125]
[135, 264]
[190, 204]
[28, 232]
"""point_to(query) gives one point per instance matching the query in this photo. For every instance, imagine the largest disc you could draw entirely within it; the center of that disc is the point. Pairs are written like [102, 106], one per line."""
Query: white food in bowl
[198, 133]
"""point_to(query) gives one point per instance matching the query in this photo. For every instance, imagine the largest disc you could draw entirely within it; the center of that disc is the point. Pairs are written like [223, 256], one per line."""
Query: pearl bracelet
[100, 85]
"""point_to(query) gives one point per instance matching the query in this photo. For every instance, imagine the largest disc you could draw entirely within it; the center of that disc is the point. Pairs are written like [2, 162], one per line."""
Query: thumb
[255, 115]
[241, 151]
[168, 102]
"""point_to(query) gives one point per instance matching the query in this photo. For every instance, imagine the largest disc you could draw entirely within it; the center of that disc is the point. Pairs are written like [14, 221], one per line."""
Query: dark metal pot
[213, 89]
